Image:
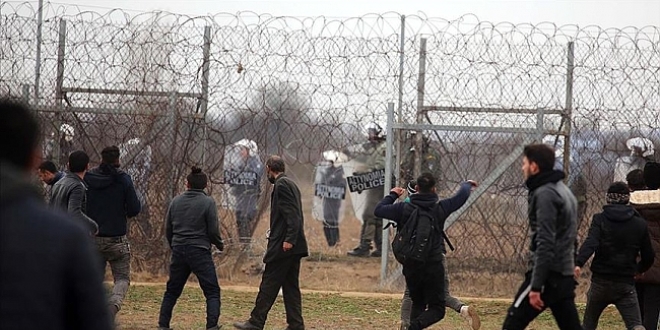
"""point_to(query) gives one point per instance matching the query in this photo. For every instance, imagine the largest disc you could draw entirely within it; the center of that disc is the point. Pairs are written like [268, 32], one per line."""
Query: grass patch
[320, 310]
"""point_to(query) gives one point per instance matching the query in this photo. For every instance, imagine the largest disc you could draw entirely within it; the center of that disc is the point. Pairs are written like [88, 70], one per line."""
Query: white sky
[604, 13]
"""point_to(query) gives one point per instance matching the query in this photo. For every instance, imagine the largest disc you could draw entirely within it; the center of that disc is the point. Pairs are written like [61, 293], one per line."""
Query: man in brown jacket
[647, 203]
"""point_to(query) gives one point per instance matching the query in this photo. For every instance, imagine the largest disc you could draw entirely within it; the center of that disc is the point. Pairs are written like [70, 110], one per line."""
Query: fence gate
[456, 165]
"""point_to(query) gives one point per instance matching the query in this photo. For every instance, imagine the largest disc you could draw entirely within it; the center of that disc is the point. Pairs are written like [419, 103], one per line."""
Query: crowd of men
[53, 256]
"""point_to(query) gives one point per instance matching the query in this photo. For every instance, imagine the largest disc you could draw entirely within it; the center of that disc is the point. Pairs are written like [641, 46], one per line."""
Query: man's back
[621, 235]
[190, 220]
[111, 198]
[50, 277]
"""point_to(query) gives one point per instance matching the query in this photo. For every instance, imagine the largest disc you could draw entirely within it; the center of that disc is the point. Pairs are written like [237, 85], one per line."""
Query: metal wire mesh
[298, 86]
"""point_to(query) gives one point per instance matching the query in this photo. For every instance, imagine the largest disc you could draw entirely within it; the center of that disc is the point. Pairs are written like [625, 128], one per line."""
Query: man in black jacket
[70, 193]
[111, 199]
[552, 213]
[191, 226]
[286, 246]
[617, 236]
[49, 277]
[425, 281]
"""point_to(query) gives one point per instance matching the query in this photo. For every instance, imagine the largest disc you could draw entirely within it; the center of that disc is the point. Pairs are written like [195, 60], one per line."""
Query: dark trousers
[603, 292]
[649, 304]
[426, 286]
[558, 295]
[187, 259]
[280, 274]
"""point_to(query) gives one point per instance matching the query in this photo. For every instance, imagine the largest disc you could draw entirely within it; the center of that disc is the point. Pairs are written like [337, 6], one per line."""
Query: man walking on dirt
[287, 245]
[552, 212]
[111, 198]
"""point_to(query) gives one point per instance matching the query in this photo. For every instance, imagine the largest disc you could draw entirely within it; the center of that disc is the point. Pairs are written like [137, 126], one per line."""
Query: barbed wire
[300, 85]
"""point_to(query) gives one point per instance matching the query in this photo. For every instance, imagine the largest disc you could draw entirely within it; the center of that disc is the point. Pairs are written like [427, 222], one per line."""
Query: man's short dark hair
[48, 166]
[652, 175]
[110, 155]
[276, 164]
[19, 133]
[78, 161]
[425, 183]
[635, 179]
[541, 154]
[197, 179]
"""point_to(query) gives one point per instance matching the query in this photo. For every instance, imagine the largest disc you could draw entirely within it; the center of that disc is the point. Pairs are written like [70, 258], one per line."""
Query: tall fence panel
[176, 91]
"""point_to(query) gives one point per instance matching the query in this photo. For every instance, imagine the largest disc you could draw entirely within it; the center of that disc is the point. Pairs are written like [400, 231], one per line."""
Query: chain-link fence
[175, 91]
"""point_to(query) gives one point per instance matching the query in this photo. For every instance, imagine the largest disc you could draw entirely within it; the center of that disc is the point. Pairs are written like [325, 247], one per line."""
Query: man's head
[110, 156]
[196, 179]
[47, 171]
[373, 132]
[618, 193]
[274, 167]
[425, 184]
[78, 162]
[635, 179]
[19, 135]
[537, 158]
[411, 187]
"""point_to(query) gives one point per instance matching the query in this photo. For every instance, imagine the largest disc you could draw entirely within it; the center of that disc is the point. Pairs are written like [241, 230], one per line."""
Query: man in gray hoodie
[191, 228]
[70, 193]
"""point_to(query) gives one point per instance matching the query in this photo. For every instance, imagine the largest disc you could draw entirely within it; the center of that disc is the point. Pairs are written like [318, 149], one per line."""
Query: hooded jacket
[50, 277]
[647, 203]
[617, 236]
[111, 199]
[441, 208]
[552, 212]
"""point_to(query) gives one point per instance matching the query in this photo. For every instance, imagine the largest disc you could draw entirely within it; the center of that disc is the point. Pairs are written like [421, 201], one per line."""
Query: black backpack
[414, 238]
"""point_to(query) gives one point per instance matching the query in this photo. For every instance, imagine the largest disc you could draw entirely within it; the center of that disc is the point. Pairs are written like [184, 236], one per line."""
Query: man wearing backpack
[552, 213]
[421, 254]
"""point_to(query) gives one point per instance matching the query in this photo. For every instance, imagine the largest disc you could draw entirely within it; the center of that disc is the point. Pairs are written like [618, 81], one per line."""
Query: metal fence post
[171, 109]
[59, 95]
[398, 133]
[419, 141]
[205, 89]
[568, 122]
[37, 66]
[388, 183]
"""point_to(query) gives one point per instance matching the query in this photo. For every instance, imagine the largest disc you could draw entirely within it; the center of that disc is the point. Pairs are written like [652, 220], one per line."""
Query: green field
[321, 311]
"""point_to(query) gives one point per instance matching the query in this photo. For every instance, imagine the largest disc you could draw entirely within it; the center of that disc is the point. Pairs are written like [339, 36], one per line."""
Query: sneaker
[359, 252]
[404, 326]
[246, 326]
[376, 254]
[470, 314]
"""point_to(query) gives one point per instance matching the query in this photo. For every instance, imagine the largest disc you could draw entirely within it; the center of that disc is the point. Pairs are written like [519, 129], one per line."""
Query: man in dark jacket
[70, 193]
[49, 277]
[617, 236]
[286, 246]
[647, 203]
[191, 226]
[552, 212]
[111, 198]
[425, 281]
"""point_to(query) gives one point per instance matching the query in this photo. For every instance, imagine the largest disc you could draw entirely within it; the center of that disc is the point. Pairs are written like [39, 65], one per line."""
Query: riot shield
[135, 158]
[359, 177]
[329, 193]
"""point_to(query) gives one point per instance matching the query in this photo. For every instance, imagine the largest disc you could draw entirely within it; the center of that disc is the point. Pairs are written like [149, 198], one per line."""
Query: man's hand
[398, 191]
[576, 272]
[286, 246]
[474, 184]
[535, 300]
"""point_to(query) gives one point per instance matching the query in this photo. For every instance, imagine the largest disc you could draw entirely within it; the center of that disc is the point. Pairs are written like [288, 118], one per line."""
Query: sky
[604, 13]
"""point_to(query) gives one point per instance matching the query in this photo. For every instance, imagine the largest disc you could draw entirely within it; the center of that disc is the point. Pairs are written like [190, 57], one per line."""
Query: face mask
[271, 179]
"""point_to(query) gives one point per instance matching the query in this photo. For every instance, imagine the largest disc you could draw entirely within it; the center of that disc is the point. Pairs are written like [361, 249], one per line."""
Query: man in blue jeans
[191, 228]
